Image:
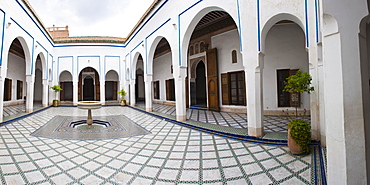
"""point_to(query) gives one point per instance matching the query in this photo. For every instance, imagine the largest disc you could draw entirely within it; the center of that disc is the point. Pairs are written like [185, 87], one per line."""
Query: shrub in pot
[56, 89]
[122, 93]
[299, 130]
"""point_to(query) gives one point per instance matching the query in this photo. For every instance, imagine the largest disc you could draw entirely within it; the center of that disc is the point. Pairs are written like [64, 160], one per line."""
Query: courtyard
[170, 153]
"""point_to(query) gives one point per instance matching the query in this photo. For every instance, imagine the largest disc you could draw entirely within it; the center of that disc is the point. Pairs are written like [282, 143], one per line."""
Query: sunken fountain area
[89, 128]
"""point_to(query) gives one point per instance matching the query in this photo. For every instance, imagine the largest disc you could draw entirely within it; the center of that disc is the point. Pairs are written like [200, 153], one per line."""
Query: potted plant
[56, 89]
[122, 93]
[299, 130]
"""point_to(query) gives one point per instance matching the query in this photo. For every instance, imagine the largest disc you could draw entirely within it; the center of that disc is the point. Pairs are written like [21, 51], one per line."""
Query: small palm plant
[56, 89]
[122, 93]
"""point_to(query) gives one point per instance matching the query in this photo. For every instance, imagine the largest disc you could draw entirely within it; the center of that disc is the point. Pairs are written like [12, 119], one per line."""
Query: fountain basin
[89, 105]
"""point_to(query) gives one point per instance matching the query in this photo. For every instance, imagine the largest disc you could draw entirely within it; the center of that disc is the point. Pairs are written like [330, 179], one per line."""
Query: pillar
[75, 92]
[102, 92]
[45, 92]
[30, 79]
[148, 92]
[132, 92]
[180, 94]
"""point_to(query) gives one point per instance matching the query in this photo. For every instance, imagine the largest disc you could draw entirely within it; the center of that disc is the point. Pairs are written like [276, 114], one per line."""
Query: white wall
[285, 49]
[162, 72]
[16, 71]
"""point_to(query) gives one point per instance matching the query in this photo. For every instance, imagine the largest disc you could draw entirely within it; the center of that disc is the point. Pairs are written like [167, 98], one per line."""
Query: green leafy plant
[300, 131]
[122, 93]
[56, 89]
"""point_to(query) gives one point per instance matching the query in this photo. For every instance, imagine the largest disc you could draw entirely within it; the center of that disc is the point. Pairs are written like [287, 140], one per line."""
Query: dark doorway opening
[200, 81]
[88, 89]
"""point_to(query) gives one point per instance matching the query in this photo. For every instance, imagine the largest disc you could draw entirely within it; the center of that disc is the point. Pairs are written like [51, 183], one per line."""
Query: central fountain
[89, 105]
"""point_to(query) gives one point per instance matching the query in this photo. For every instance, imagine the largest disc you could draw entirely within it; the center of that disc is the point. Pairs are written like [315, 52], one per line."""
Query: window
[286, 99]
[19, 89]
[170, 90]
[234, 57]
[156, 90]
[233, 88]
[8, 89]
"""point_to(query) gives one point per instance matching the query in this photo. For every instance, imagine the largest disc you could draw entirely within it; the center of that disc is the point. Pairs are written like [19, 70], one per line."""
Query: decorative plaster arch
[112, 71]
[193, 23]
[275, 19]
[27, 53]
[134, 64]
[331, 25]
[79, 72]
[151, 52]
[65, 71]
[43, 65]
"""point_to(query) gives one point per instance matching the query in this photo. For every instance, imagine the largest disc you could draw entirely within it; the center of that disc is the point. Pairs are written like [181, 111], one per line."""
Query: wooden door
[212, 79]
[62, 97]
[115, 89]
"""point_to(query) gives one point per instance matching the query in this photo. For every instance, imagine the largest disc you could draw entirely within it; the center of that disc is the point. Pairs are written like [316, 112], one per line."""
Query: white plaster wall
[64, 64]
[225, 43]
[285, 49]
[112, 63]
[16, 71]
[162, 72]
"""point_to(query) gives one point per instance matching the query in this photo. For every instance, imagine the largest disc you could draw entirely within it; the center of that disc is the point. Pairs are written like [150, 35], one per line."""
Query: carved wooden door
[212, 79]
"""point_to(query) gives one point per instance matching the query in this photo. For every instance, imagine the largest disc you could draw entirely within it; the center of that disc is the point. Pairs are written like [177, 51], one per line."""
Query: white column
[102, 92]
[50, 93]
[132, 92]
[30, 79]
[254, 87]
[180, 94]
[148, 92]
[75, 92]
[45, 91]
[2, 98]
[127, 89]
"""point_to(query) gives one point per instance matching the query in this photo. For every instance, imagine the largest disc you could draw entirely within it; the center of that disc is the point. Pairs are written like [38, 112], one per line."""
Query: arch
[331, 25]
[201, 85]
[134, 64]
[275, 19]
[191, 26]
[65, 76]
[94, 86]
[111, 85]
[111, 75]
[194, 67]
[27, 53]
[151, 53]
[43, 64]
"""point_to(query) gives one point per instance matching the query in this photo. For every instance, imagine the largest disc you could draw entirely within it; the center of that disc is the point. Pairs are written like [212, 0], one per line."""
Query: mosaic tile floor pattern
[235, 120]
[16, 109]
[170, 155]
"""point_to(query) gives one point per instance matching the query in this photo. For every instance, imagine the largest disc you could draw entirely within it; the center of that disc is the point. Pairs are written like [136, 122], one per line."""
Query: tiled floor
[171, 154]
[16, 109]
[234, 120]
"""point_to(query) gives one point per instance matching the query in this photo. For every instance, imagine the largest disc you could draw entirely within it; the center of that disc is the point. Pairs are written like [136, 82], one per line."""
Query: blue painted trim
[105, 63]
[141, 27]
[146, 48]
[34, 22]
[59, 64]
[85, 45]
[136, 46]
[240, 26]
[258, 25]
[317, 21]
[2, 39]
[93, 56]
[306, 16]
[323, 172]
[47, 58]
[179, 29]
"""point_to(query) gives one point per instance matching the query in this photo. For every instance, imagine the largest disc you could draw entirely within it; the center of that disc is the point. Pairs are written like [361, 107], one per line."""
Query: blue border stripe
[258, 26]
[83, 45]
[2, 39]
[317, 21]
[58, 72]
[306, 16]
[35, 22]
[105, 64]
[240, 26]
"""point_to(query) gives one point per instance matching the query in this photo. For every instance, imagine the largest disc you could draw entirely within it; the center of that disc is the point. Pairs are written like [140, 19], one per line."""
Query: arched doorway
[215, 41]
[111, 85]
[38, 90]
[88, 85]
[200, 81]
[285, 54]
[16, 76]
[139, 82]
[66, 83]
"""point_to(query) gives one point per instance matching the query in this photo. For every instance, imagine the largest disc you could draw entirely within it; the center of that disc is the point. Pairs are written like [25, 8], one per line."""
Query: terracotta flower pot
[293, 146]
[55, 103]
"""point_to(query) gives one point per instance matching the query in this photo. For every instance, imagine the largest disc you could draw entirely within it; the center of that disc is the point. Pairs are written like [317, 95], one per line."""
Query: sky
[115, 18]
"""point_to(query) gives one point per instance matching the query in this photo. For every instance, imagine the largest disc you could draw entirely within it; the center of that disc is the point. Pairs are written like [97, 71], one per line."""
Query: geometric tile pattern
[227, 119]
[16, 109]
[170, 154]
